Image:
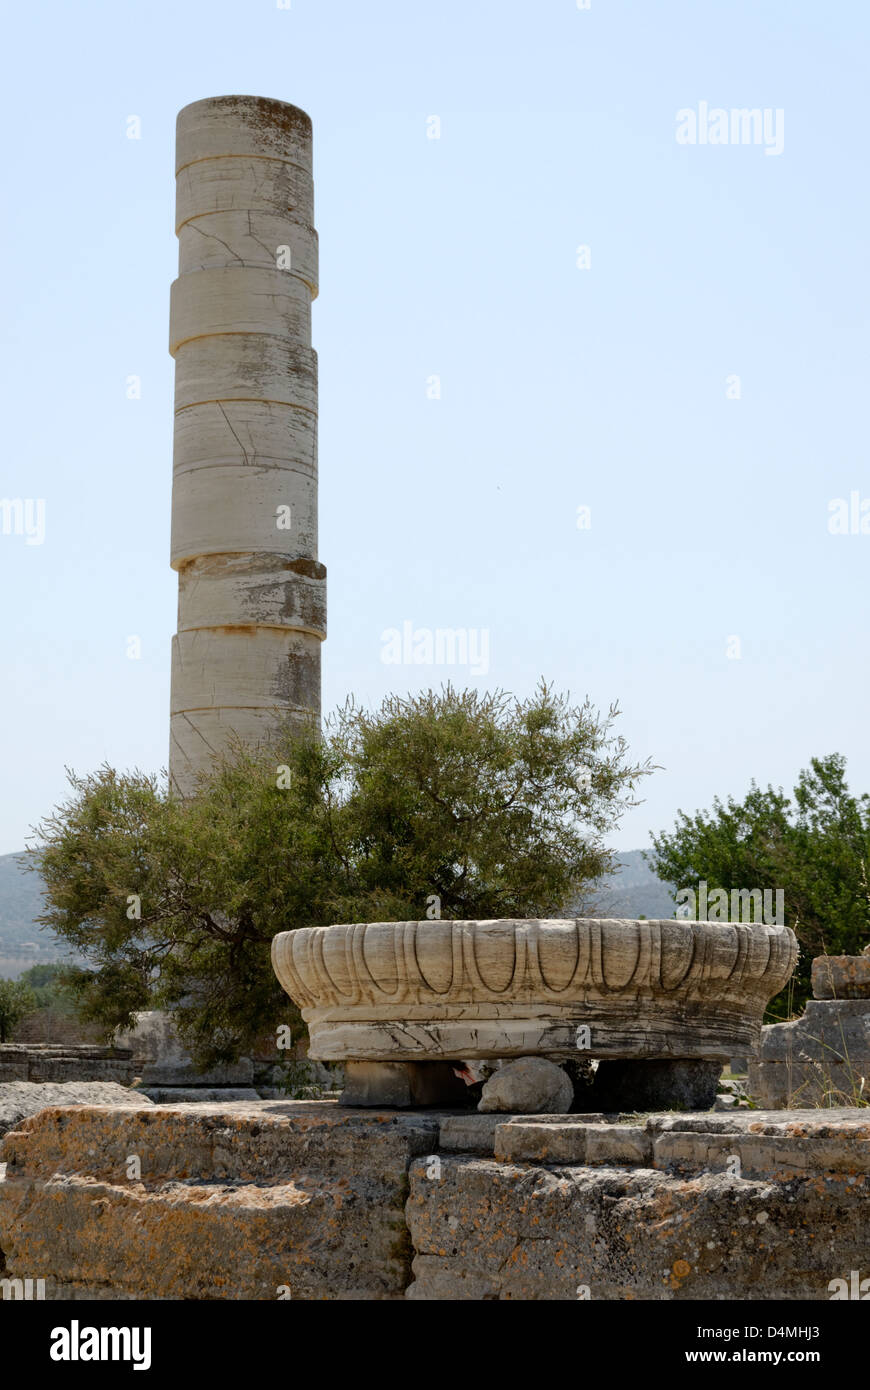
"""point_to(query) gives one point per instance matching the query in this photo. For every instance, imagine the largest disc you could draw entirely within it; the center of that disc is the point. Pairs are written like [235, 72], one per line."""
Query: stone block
[764, 1144]
[832, 1030]
[469, 1133]
[21, 1099]
[809, 1085]
[169, 1073]
[14, 1071]
[492, 1230]
[243, 128]
[238, 299]
[535, 1142]
[234, 1202]
[162, 1060]
[841, 977]
[58, 1062]
[199, 1095]
[820, 1059]
[618, 1144]
[528, 1086]
[243, 1200]
[81, 1069]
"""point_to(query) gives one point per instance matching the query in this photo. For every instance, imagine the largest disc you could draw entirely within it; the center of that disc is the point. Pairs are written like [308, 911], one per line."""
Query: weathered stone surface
[17, 1070]
[528, 1086]
[234, 1201]
[287, 592]
[242, 128]
[247, 652]
[766, 1153]
[240, 1201]
[642, 1084]
[820, 1059]
[744, 1206]
[768, 1144]
[65, 1062]
[486, 1230]
[315, 1091]
[199, 1095]
[20, 1099]
[835, 1030]
[162, 1060]
[259, 665]
[234, 1074]
[468, 1133]
[275, 419]
[808, 1085]
[204, 516]
[391, 991]
[556, 1140]
[151, 1038]
[841, 977]
[402, 1085]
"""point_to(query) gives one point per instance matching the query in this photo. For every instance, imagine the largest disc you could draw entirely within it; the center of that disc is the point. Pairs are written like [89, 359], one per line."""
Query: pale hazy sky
[561, 386]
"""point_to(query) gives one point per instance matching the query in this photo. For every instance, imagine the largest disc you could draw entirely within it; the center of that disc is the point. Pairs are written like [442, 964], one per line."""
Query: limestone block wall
[251, 591]
[58, 1062]
[307, 1201]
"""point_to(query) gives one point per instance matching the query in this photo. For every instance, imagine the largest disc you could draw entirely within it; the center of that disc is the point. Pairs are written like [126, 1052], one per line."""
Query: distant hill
[633, 891]
[22, 941]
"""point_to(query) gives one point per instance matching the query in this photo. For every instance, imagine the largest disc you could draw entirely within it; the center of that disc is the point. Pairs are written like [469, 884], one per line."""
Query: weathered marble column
[251, 592]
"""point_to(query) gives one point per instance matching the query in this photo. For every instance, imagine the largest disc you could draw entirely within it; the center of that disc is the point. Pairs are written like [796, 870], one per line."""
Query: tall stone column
[251, 592]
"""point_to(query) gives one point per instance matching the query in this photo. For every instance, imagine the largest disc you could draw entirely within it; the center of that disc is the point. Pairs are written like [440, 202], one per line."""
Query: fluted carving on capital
[540, 961]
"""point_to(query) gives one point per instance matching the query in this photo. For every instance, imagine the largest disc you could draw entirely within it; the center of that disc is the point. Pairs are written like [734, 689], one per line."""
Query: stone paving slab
[767, 1143]
[21, 1099]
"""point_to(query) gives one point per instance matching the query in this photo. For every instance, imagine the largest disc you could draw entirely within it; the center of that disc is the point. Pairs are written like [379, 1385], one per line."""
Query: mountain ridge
[632, 891]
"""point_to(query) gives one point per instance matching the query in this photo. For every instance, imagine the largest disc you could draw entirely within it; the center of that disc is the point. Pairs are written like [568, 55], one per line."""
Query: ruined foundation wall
[26, 1061]
[242, 1201]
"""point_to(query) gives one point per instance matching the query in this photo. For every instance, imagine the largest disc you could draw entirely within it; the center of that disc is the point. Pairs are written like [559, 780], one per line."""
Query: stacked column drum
[251, 591]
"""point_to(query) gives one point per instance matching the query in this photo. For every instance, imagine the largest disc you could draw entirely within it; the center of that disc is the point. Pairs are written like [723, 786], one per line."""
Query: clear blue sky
[561, 387]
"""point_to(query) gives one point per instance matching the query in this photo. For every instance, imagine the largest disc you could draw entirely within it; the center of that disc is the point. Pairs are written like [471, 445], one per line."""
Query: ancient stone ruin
[58, 1062]
[527, 1113]
[310, 1201]
[166, 1071]
[251, 591]
[660, 1005]
[823, 1058]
